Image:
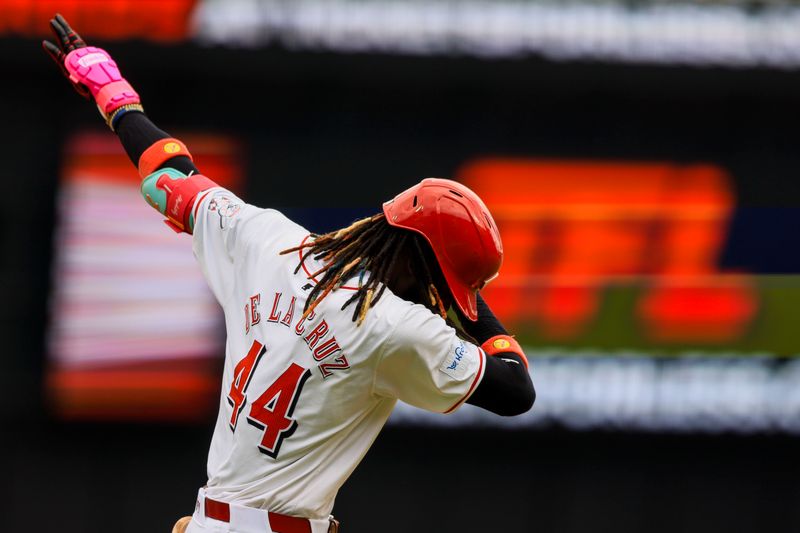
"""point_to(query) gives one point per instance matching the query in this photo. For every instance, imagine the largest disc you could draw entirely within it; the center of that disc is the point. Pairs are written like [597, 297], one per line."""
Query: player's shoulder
[408, 323]
[222, 209]
[391, 317]
[270, 225]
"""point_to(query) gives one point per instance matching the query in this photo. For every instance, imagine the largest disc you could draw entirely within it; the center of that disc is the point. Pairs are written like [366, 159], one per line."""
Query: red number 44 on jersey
[272, 411]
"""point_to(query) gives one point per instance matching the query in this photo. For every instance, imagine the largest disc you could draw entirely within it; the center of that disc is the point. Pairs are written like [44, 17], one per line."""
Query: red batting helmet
[461, 233]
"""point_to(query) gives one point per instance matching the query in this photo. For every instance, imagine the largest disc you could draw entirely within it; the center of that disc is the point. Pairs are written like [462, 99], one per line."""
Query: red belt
[279, 523]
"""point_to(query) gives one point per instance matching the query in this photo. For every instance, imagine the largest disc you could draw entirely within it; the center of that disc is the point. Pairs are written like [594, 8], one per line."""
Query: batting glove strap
[500, 344]
[172, 193]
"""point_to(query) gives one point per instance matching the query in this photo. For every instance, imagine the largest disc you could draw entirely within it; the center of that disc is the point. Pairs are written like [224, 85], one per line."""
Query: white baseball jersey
[303, 400]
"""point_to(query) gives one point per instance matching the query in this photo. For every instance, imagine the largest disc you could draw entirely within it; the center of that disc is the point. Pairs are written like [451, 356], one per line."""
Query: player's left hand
[67, 40]
[92, 72]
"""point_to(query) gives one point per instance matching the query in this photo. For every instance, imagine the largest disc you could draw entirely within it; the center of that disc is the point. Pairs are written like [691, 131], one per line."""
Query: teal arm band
[172, 193]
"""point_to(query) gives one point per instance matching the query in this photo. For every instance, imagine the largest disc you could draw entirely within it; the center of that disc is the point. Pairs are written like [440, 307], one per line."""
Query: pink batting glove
[94, 68]
[91, 71]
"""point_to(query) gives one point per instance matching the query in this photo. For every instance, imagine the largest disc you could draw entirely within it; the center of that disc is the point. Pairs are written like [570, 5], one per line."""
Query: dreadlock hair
[370, 248]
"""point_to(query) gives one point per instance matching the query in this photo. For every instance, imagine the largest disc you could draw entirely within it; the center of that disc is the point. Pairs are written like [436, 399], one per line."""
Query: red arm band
[158, 152]
[173, 194]
[504, 344]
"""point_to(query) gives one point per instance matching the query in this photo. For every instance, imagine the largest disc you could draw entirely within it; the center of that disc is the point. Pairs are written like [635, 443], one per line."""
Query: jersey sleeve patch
[475, 381]
[227, 207]
[458, 362]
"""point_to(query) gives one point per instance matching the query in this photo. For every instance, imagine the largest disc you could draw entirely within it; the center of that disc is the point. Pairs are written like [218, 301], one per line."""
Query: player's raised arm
[171, 182]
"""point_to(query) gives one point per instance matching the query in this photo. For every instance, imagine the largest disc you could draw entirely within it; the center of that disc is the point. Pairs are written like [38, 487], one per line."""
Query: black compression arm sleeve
[506, 388]
[137, 133]
[487, 325]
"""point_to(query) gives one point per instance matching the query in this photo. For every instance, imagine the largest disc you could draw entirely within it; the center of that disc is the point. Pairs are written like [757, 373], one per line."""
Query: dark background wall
[330, 131]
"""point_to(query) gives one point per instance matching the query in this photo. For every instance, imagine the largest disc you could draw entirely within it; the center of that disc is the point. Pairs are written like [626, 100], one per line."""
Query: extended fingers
[57, 55]
[60, 34]
[54, 52]
[73, 39]
[66, 37]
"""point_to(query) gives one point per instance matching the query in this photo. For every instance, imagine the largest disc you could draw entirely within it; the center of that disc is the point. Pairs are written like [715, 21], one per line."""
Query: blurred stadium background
[640, 157]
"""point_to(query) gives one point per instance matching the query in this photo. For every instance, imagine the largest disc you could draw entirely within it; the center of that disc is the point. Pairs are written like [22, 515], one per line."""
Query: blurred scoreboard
[712, 32]
[134, 332]
[158, 20]
[644, 239]
[613, 280]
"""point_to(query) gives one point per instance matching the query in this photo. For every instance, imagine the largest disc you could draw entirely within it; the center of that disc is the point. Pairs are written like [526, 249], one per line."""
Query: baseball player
[324, 332]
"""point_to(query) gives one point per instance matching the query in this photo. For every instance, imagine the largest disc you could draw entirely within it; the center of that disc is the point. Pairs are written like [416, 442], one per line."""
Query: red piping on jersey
[303, 264]
[472, 387]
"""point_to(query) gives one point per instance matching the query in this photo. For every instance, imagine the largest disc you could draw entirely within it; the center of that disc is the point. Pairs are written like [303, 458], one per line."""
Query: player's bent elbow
[506, 388]
[518, 401]
[530, 399]
[523, 402]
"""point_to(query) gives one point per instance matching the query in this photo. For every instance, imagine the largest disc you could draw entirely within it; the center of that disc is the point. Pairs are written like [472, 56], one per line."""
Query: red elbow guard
[158, 153]
[504, 344]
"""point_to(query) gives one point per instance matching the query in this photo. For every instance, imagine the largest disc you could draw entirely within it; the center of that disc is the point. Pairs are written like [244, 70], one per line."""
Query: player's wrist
[115, 116]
